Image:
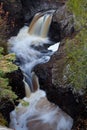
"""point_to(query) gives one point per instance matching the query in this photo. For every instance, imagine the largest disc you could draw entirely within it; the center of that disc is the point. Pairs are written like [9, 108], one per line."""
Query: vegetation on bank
[6, 93]
[6, 65]
[76, 48]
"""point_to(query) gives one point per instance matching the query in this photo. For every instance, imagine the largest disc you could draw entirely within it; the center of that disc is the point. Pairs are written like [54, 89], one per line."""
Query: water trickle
[40, 113]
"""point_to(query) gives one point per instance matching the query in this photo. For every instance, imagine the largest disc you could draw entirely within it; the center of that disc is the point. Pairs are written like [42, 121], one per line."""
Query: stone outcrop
[65, 21]
[16, 81]
[30, 8]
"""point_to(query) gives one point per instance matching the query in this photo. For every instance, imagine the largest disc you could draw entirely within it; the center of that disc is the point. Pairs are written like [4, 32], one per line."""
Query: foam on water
[54, 47]
[27, 56]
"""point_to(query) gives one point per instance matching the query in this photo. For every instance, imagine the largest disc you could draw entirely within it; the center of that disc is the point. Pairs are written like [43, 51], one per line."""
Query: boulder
[65, 21]
[16, 81]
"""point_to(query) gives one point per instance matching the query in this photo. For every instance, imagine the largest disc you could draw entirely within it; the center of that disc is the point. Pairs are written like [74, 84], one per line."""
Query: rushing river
[32, 47]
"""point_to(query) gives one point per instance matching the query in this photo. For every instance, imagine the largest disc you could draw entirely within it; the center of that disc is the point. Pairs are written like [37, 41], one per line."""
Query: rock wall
[30, 8]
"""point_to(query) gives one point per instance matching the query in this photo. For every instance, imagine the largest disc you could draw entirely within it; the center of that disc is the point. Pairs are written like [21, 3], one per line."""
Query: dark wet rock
[64, 20]
[6, 108]
[66, 100]
[63, 97]
[55, 32]
[30, 8]
[15, 16]
[16, 81]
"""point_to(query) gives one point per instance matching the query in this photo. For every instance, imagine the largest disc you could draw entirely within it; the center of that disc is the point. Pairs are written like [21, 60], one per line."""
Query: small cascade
[46, 25]
[40, 113]
[35, 82]
[27, 89]
[35, 25]
[41, 23]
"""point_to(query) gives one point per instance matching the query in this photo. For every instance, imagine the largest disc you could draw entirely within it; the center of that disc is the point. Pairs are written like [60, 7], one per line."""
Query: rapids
[40, 114]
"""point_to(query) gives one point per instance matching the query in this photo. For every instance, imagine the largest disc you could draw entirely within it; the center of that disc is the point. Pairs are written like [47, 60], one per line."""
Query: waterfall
[41, 23]
[45, 27]
[36, 17]
[35, 82]
[40, 113]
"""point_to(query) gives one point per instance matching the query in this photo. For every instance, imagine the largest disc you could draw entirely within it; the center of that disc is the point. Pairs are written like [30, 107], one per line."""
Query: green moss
[24, 103]
[76, 48]
[77, 60]
[6, 66]
[79, 9]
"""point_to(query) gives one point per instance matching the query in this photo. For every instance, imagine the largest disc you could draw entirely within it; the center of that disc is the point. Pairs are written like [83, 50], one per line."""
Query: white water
[27, 56]
[54, 47]
[40, 113]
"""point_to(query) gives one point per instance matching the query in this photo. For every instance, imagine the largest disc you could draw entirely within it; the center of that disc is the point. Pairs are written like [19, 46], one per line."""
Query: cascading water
[41, 23]
[40, 113]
